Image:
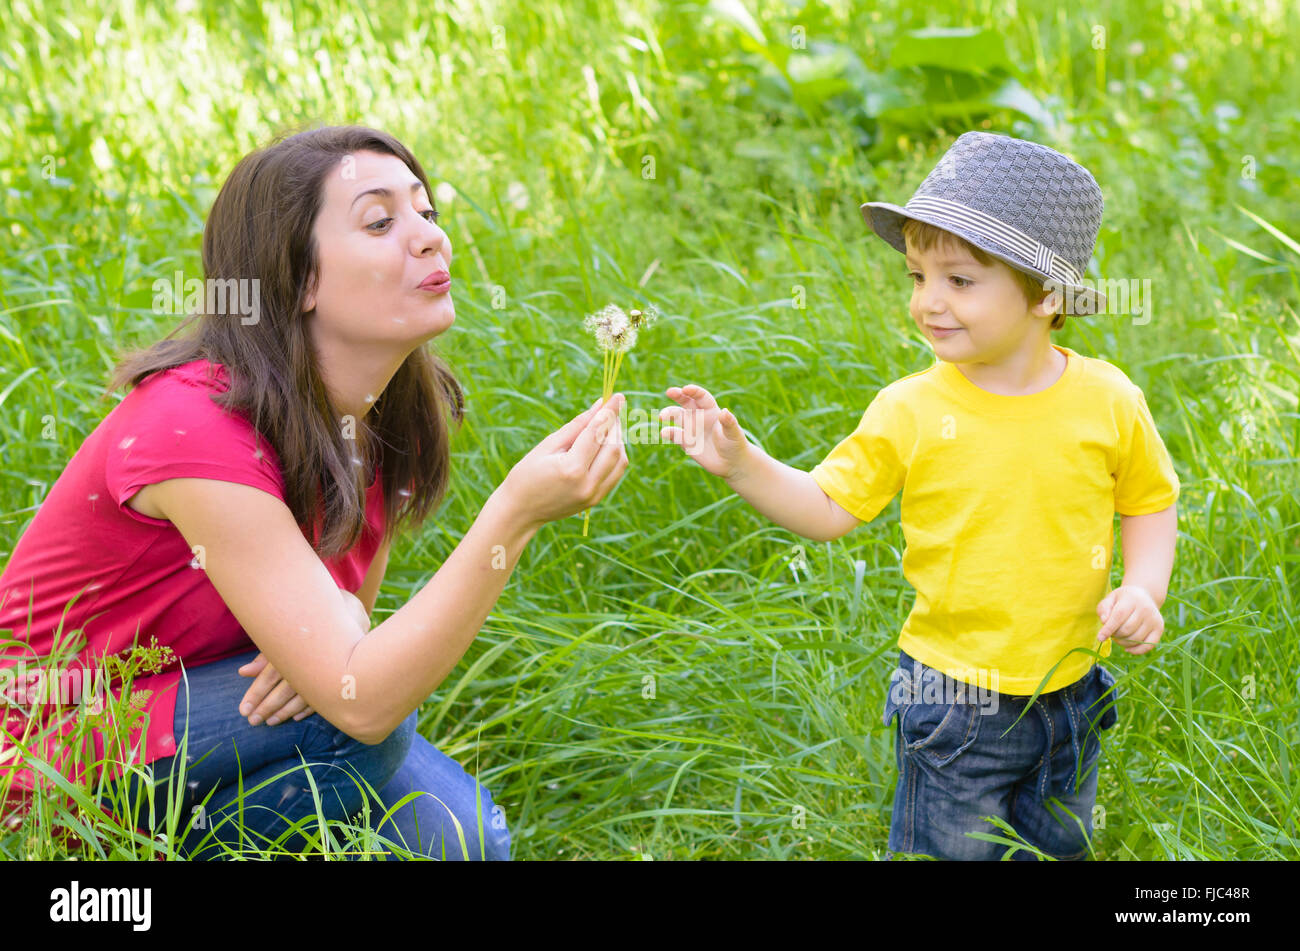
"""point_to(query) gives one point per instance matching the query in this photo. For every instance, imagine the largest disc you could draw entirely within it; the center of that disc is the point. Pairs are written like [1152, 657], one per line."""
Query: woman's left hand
[272, 694]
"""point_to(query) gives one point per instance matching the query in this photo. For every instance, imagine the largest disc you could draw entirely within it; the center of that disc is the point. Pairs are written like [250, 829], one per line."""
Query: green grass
[669, 688]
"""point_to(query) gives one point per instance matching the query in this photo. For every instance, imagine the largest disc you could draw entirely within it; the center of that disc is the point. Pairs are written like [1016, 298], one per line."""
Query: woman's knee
[495, 831]
[394, 748]
[378, 762]
[479, 820]
[448, 804]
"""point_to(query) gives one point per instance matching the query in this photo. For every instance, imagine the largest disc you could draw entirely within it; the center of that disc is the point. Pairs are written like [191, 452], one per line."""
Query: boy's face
[970, 313]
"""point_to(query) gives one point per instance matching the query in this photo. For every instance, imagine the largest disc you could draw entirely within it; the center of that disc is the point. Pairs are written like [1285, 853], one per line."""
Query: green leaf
[966, 49]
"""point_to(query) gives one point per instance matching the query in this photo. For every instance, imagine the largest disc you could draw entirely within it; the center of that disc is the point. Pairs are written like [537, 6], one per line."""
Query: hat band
[1037, 254]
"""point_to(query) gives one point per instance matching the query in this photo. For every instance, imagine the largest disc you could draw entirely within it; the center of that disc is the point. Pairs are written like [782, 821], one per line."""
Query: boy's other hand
[1130, 616]
[709, 435]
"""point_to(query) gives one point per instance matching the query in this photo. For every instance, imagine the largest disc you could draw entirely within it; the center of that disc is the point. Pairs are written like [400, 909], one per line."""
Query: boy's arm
[1131, 612]
[1148, 545]
[789, 497]
[713, 438]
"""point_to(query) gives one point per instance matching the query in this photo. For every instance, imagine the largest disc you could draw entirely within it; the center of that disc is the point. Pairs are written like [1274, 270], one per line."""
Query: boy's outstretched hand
[709, 435]
[1130, 616]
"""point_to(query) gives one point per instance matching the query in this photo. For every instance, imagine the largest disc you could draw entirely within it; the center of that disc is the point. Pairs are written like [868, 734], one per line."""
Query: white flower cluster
[616, 329]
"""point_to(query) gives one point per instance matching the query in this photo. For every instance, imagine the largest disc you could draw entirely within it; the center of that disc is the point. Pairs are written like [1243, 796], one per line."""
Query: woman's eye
[429, 214]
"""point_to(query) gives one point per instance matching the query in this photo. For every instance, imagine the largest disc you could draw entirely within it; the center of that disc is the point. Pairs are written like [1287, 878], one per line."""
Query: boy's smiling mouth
[943, 331]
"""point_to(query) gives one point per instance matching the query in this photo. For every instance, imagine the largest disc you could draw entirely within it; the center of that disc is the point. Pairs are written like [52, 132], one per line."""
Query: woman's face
[376, 246]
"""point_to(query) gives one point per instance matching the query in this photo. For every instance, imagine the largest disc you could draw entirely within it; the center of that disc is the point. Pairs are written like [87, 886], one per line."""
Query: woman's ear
[309, 298]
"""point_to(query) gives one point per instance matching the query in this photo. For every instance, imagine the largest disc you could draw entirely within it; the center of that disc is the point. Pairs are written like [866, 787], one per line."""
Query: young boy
[1013, 455]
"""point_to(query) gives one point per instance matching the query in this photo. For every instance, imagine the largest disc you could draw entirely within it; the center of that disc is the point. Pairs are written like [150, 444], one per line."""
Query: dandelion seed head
[644, 318]
[610, 325]
[616, 329]
[625, 340]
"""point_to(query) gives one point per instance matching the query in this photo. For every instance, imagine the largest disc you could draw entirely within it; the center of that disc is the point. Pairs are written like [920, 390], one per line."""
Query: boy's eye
[959, 281]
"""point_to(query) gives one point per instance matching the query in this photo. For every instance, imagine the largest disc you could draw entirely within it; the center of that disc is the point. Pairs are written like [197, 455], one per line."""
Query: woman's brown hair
[260, 228]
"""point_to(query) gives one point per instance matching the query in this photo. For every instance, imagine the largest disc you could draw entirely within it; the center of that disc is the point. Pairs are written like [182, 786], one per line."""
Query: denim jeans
[403, 763]
[955, 765]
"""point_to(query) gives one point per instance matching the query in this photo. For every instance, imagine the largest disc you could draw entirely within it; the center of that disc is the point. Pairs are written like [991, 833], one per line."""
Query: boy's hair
[922, 236]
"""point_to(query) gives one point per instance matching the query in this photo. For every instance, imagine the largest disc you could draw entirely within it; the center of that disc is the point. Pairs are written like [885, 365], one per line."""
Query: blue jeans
[222, 746]
[955, 765]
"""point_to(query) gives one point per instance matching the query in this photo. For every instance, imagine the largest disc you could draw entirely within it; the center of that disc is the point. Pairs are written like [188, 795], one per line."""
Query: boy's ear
[1049, 304]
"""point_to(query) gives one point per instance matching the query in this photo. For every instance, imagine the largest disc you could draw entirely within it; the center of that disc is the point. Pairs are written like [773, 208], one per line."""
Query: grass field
[670, 687]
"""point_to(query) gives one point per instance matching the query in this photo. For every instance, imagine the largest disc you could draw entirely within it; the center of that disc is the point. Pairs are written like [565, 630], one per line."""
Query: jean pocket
[940, 732]
[1100, 700]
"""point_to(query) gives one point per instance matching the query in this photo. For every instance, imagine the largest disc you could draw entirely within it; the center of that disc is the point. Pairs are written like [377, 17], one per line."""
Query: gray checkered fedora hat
[1025, 204]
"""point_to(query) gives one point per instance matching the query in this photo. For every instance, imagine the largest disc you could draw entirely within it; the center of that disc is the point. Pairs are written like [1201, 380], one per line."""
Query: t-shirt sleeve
[865, 470]
[1145, 481]
[174, 430]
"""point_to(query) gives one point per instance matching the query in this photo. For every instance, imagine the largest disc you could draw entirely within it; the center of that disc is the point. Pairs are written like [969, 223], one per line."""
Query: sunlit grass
[669, 687]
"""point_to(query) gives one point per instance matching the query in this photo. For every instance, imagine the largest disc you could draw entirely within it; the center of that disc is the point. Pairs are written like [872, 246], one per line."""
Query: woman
[317, 405]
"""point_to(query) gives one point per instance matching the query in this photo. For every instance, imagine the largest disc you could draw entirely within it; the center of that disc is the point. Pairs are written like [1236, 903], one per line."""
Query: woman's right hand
[573, 468]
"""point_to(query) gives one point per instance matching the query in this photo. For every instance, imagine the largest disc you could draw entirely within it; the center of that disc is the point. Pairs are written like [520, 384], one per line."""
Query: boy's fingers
[1134, 643]
[1149, 641]
[702, 398]
[1112, 620]
[1119, 613]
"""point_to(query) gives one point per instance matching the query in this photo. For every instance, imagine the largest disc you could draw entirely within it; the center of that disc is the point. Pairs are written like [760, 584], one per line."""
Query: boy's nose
[932, 303]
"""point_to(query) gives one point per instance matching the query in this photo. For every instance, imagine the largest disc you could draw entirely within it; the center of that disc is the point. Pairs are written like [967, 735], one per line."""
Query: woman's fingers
[295, 706]
[254, 666]
[563, 438]
[612, 479]
[260, 687]
[593, 437]
[609, 457]
[279, 697]
[271, 698]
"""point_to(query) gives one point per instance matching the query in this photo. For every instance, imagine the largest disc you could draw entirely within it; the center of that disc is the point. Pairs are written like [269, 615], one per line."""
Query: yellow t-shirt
[1008, 512]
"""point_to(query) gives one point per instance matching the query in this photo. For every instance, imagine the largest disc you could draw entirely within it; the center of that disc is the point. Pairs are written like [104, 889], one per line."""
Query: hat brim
[886, 220]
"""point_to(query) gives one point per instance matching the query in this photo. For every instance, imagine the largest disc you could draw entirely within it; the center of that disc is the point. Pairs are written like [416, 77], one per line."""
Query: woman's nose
[434, 239]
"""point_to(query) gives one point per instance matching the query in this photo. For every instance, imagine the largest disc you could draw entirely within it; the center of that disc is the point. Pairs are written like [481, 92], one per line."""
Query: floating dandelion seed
[616, 332]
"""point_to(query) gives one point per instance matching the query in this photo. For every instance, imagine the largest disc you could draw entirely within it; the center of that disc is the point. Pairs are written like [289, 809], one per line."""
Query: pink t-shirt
[133, 572]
